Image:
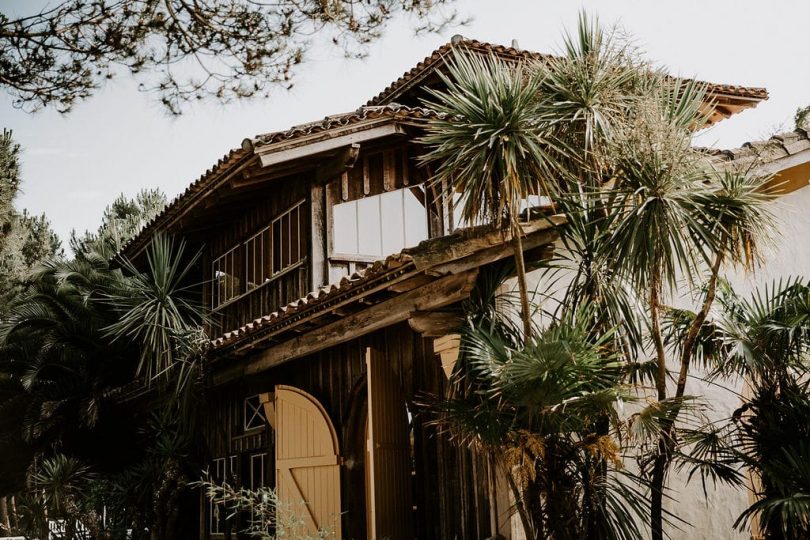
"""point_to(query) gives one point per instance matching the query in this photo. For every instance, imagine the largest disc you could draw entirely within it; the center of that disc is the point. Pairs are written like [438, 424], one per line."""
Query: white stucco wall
[712, 517]
[789, 256]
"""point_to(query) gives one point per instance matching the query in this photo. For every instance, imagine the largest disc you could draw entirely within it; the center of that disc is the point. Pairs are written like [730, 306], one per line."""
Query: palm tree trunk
[520, 268]
[658, 341]
[667, 437]
[694, 330]
[657, 489]
[661, 459]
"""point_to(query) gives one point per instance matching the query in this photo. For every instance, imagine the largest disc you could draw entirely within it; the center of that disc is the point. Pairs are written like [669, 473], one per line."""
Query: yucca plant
[158, 310]
[493, 145]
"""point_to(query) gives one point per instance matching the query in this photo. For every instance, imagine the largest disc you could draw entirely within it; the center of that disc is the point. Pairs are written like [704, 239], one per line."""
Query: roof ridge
[401, 84]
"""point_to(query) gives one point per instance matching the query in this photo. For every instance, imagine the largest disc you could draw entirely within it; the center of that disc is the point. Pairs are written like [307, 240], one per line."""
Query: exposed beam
[345, 159]
[436, 323]
[435, 295]
[497, 252]
[441, 251]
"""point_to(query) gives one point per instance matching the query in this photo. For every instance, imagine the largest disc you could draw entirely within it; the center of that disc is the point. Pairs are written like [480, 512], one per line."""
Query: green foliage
[73, 335]
[186, 51]
[546, 411]
[121, 221]
[610, 139]
[9, 177]
[491, 142]
[271, 518]
[765, 340]
[158, 310]
[801, 117]
[24, 239]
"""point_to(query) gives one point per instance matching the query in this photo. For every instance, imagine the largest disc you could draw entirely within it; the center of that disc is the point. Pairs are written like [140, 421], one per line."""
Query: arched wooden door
[307, 460]
[388, 465]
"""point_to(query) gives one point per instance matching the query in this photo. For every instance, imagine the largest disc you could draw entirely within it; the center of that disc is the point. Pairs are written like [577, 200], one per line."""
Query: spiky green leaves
[493, 142]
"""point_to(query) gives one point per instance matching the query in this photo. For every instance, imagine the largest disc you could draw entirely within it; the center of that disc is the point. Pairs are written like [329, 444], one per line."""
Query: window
[257, 470]
[223, 471]
[381, 224]
[227, 272]
[251, 264]
[253, 413]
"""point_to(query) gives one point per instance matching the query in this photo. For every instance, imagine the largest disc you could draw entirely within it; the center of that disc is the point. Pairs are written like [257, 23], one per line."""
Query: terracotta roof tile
[391, 110]
[225, 162]
[779, 146]
[316, 298]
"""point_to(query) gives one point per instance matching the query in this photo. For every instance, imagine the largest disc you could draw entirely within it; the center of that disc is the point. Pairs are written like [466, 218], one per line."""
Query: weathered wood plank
[458, 246]
[496, 253]
[436, 323]
[345, 159]
[272, 154]
[440, 293]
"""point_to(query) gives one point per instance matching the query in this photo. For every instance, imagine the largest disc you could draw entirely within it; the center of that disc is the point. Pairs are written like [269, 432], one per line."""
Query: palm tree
[158, 310]
[534, 406]
[766, 340]
[673, 220]
[491, 143]
[60, 480]
[83, 328]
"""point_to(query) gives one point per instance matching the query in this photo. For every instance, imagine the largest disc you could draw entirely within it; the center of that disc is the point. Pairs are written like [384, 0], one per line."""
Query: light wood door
[307, 461]
[389, 454]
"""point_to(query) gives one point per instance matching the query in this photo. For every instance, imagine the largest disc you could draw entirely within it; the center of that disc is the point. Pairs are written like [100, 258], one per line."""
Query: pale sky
[121, 141]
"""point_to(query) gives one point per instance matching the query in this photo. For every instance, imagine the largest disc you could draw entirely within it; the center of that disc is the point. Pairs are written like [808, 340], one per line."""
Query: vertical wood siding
[450, 489]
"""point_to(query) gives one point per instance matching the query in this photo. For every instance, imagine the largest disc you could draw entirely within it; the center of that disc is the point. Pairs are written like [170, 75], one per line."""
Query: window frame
[268, 261]
[366, 258]
[225, 461]
[257, 412]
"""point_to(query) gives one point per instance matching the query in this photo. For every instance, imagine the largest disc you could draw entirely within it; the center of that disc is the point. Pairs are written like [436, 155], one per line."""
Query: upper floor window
[271, 251]
[382, 224]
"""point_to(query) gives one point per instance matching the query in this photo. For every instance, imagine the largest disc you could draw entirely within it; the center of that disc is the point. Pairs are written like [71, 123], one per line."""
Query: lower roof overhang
[417, 285]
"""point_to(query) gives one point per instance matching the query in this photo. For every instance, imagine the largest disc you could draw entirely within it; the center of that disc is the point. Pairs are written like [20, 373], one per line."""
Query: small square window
[254, 413]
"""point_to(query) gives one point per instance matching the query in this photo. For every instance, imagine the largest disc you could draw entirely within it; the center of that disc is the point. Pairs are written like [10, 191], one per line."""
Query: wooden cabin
[333, 272]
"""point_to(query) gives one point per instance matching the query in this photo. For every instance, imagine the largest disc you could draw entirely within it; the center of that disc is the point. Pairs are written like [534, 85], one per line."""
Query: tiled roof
[765, 151]
[225, 163]
[392, 266]
[392, 111]
[408, 261]
[378, 107]
[426, 66]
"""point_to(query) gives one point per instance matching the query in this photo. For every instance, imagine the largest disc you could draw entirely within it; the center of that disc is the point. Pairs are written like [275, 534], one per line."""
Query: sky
[120, 140]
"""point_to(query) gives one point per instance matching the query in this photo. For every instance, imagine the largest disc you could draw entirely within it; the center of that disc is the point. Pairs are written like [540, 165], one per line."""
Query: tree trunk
[657, 489]
[5, 523]
[666, 440]
[694, 329]
[15, 518]
[661, 460]
[520, 268]
[658, 341]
